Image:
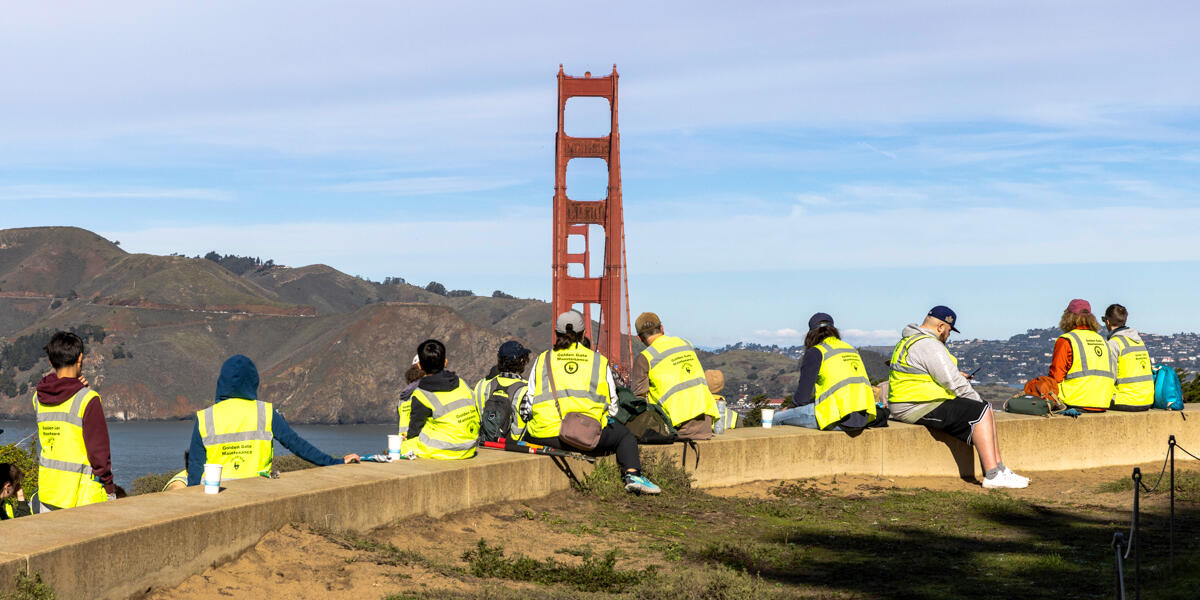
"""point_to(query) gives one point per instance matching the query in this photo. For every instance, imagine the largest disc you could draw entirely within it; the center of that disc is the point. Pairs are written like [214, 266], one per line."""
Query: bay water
[142, 448]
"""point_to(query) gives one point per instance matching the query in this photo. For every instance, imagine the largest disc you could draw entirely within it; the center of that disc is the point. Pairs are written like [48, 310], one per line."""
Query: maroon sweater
[53, 391]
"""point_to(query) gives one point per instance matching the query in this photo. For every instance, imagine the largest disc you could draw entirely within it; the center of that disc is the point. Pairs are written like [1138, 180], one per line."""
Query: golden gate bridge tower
[601, 294]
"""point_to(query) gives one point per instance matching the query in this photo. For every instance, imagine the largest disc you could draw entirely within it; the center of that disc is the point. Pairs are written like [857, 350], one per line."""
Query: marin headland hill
[331, 347]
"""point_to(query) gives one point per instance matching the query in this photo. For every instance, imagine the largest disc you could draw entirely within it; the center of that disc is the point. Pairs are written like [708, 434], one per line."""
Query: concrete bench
[158, 540]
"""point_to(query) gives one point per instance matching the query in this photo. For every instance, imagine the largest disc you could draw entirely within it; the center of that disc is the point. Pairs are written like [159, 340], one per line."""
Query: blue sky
[868, 159]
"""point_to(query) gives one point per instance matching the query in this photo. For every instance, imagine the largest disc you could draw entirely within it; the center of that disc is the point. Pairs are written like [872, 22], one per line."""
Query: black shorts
[956, 417]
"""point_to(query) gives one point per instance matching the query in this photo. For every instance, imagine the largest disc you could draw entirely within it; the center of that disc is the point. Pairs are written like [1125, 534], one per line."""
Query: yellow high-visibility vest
[729, 417]
[677, 382]
[907, 383]
[488, 386]
[1135, 381]
[581, 378]
[180, 477]
[1089, 381]
[453, 429]
[842, 385]
[237, 434]
[65, 477]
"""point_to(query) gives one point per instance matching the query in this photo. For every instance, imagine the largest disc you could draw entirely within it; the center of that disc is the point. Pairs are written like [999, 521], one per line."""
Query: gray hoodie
[1113, 350]
[931, 356]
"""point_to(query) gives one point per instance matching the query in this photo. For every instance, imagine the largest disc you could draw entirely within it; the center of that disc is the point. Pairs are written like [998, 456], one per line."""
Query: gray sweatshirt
[1127, 332]
[932, 356]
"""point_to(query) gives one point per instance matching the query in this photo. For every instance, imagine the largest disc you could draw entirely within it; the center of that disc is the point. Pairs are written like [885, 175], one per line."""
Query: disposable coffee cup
[394, 442]
[212, 478]
[768, 417]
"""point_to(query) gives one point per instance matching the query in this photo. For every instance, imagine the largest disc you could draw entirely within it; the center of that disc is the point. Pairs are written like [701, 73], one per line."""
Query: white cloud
[100, 191]
[785, 333]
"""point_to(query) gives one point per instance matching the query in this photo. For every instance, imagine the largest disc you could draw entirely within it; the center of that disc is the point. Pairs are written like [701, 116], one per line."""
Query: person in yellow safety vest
[1081, 364]
[239, 431]
[443, 422]
[834, 390]
[75, 464]
[12, 496]
[668, 373]
[728, 418]
[570, 378]
[506, 382]
[1130, 362]
[926, 388]
[179, 480]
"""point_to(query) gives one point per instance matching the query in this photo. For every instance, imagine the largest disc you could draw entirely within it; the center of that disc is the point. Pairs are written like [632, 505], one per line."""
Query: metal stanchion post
[1119, 544]
[1137, 534]
[1171, 453]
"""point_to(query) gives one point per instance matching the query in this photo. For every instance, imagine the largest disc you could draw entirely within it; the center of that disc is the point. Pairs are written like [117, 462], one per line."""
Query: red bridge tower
[575, 283]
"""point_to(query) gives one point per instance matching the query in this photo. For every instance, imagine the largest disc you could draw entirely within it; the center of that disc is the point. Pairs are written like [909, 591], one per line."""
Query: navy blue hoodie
[239, 379]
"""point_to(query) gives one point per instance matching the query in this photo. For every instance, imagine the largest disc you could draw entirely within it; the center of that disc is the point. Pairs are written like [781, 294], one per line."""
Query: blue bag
[1168, 393]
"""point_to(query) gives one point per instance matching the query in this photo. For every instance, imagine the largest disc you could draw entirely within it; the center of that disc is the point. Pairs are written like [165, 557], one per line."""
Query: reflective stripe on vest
[842, 386]
[452, 431]
[65, 477]
[236, 433]
[677, 381]
[907, 383]
[581, 377]
[1089, 380]
[1134, 379]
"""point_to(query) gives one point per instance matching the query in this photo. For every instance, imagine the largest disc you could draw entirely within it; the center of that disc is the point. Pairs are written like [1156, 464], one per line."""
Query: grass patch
[593, 575]
[28, 587]
[605, 481]
[384, 553]
[1187, 485]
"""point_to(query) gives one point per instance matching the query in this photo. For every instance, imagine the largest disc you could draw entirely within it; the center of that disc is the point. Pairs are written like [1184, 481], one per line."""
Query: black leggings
[615, 437]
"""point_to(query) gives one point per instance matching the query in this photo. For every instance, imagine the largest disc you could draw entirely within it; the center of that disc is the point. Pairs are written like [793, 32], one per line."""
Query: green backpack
[647, 421]
[1028, 405]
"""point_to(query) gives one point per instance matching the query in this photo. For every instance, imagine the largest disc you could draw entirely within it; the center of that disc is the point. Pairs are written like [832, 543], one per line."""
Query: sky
[866, 159]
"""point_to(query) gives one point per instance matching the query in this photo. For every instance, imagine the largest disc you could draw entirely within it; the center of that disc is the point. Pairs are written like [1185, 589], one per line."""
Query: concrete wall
[161, 539]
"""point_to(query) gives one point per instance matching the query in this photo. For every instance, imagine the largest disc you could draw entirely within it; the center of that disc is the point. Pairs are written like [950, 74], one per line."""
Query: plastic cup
[394, 442]
[212, 478]
[768, 416]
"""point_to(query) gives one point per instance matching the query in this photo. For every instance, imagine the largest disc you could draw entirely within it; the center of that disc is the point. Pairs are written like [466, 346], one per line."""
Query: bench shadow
[962, 453]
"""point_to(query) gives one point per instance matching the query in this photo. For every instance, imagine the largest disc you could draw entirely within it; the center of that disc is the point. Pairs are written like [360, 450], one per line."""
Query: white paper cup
[768, 416]
[394, 442]
[212, 478]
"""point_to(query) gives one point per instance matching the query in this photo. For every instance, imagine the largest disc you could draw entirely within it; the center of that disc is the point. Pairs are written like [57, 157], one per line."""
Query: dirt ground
[298, 562]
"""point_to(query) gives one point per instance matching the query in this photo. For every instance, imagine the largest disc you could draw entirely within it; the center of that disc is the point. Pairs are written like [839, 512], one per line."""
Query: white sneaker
[1006, 479]
[1010, 472]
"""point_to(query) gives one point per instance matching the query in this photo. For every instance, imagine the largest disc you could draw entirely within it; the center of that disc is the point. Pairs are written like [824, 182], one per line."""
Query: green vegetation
[26, 459]
[239, 265]
[593, 575]
[801, 540]
[29, 588]
[27, 351]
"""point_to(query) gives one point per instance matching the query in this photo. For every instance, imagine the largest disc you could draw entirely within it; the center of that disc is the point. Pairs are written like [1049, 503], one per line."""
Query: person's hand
[83, 380]
[20, 495]
[351, 458]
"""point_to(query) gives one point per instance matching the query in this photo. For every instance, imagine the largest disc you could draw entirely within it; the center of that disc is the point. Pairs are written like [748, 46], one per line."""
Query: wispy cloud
[102, 192]
[423, 186]
[870, 337]
[785, 333]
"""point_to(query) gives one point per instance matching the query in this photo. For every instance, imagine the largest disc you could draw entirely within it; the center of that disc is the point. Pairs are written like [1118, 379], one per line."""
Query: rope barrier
[1123, 545]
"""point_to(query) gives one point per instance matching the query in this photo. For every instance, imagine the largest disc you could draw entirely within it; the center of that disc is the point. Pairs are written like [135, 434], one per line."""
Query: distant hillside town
[1021, 357]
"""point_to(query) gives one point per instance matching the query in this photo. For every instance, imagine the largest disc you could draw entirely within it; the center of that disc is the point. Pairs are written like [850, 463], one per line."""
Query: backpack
[1028, 405]
[1168, 393]
[496, 419]
[646, 420]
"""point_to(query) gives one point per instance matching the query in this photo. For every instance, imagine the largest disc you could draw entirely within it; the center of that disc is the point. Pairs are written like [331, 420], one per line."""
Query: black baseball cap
[816, 320]
[945, 315]
[512, 350]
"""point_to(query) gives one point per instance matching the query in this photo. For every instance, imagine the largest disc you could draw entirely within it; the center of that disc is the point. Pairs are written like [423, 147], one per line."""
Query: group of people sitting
[569, 396]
